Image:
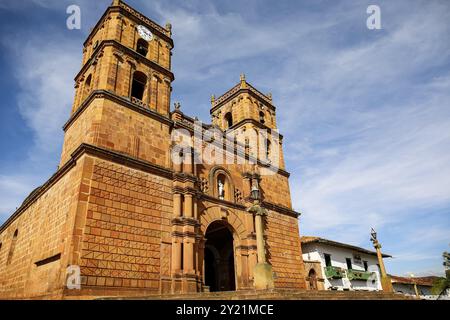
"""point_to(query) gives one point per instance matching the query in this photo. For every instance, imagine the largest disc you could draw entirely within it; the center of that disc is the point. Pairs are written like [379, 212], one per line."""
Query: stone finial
[115, 3]
[243, 82]
[213, 99]
[177, 106]
[269, 95]
[169, 27]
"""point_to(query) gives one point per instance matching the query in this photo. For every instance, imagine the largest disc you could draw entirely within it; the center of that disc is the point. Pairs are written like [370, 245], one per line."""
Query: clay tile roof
[423, 281]
[312, 239]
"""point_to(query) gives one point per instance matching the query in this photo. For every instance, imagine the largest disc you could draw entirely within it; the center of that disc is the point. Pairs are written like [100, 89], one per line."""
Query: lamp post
[386, 283]
[263, 275]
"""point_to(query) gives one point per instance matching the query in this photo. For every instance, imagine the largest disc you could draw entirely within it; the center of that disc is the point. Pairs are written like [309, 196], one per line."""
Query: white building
[332, 265]
[418, 286]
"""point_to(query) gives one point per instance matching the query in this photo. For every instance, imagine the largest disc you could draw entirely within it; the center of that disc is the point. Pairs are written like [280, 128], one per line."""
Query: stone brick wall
[283, 244]
[83, 130]
[129, 132]
[276, 190]
[109, 125]
[44, 231]
[128, 214]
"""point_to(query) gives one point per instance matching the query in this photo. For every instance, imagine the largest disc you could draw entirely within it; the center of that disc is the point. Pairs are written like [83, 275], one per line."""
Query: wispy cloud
[44, 67]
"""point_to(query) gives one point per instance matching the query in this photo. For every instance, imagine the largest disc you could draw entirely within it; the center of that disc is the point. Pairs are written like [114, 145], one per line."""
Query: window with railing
[334, 272]
[358, 275]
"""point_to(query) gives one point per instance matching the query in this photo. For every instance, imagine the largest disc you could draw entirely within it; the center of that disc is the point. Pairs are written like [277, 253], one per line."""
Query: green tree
[442, 284]
[439, 285]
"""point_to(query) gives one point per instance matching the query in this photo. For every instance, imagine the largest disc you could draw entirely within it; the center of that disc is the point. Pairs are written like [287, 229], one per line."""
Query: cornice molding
[135, 16]
[128, 51]
[123, 159]
[235, 91]
[280, 209]
[225, 203]
[255, 123]
[101, 94]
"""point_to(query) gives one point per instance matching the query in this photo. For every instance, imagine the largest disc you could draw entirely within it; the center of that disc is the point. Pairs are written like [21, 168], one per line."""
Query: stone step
[275, 294]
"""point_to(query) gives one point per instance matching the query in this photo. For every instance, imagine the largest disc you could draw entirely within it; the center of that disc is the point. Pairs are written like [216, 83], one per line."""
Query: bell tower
[125, 77]
[243, 104]
[243, 109]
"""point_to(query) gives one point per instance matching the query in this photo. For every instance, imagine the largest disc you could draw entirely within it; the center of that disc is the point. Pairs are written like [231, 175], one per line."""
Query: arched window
[261, 117]
[87, 86]
[221, 184]
[13, 245]
[268, 144]
[138, 85]
[142, 47]
[229, 119]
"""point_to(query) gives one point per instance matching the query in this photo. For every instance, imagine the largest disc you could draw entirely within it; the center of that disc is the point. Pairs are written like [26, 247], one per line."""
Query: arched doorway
[219, 257]
[312, 279]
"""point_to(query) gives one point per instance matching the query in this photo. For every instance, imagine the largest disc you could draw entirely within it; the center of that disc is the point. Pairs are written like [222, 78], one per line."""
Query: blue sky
[365, 113]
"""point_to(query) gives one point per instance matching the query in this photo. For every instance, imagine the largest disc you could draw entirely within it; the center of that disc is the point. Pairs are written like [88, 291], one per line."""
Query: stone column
[154, 93]
[200, 256]
[260, 239]
[119, 59]
[166, 96]
[188, 163]
[194, 199]
[188, 262]
[130, 83]
[157, 50]
[176, 205]
[263, 275]
[149, 89]
[188, 212]
[176, 256]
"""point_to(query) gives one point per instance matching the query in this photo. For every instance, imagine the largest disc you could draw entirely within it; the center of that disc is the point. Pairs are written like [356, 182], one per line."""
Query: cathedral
[136, 206]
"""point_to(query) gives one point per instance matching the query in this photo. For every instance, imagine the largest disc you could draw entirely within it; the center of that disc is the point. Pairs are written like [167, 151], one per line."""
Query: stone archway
[312, 276]
[219, 257]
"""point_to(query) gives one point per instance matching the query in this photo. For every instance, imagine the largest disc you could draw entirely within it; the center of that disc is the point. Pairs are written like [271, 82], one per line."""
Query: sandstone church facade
[133, 221]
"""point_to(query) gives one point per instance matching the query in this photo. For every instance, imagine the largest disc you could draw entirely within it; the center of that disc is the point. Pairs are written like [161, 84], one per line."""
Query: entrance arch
[219, 257]
[312, 279]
